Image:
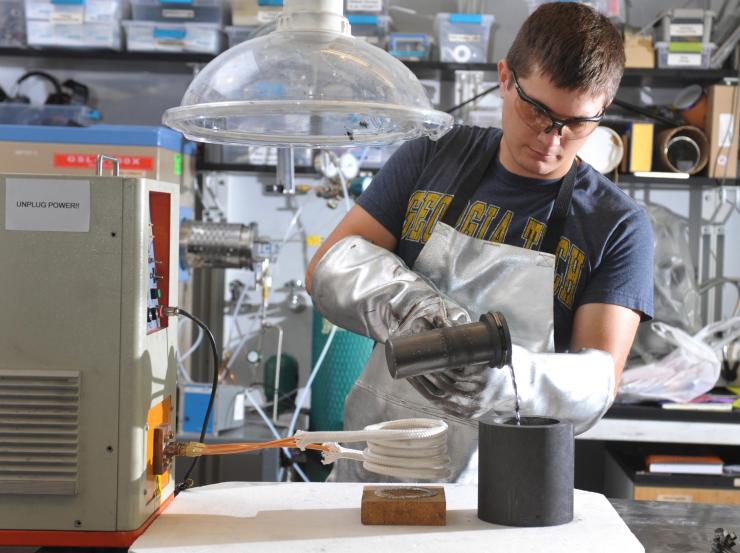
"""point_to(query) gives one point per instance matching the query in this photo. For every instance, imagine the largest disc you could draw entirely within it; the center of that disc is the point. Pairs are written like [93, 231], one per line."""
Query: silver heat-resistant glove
[369, 290]
[573, 387]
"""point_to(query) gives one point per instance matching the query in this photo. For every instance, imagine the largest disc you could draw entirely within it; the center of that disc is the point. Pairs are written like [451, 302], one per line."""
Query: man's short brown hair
[572, 44]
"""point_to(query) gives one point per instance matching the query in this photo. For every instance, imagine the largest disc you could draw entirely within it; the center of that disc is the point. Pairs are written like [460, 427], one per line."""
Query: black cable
[474, 98]
[647, 113]
[175, 311]
[186, 481]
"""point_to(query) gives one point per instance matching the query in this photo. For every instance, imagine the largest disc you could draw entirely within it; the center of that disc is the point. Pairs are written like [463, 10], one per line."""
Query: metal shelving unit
[212, 166]
[445, 71]
[73, 55]
[167, 62]
[667, 183]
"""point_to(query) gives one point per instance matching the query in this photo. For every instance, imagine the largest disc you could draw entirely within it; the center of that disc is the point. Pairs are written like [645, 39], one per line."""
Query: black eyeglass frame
[556, 123]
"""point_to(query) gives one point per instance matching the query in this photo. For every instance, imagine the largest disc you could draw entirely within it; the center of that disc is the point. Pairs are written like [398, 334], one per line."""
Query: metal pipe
[286, 170]
[276, 380]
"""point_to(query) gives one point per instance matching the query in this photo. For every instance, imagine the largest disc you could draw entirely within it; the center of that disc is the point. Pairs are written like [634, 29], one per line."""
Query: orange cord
[225, 449]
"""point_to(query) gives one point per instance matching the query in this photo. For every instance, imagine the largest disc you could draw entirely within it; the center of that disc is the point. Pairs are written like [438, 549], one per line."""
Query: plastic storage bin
[463, 37]
[409, 46]
[377, 7]
[77, 11]
[237, 35]
[614, 9]
[686, 25]
[71, 35]
[195, 11]
[12, 23]
[59, 116]
[671, 55]
[147, 36]
[372, 28]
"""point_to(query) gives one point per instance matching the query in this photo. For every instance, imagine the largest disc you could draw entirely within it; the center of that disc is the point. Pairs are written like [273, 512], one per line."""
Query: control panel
[158, 264]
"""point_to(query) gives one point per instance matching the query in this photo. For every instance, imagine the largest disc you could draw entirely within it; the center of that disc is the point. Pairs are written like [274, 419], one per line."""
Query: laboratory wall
[126, 94]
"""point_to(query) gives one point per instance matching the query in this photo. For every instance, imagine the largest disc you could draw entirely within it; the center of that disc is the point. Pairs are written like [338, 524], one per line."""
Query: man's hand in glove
[574, 387]
[464, 392]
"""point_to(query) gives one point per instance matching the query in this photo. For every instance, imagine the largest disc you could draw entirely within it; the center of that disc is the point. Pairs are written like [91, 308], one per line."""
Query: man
[485, 220]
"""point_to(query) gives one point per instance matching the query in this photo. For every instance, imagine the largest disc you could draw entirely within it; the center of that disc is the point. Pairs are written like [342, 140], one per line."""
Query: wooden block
[404, 505]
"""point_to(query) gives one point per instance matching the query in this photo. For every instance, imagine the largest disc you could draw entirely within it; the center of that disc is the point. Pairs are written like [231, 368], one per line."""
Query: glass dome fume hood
[309, 83]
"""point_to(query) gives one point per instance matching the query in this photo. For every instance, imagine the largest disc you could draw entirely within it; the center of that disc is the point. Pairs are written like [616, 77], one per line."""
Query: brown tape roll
[682, 150]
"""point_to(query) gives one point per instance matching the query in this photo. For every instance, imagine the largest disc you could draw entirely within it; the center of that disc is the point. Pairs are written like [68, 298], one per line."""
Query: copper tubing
[243, 447]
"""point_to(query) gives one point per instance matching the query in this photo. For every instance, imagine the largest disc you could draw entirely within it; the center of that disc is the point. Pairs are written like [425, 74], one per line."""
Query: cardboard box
[151, 152]
[722, 131]
[639, 51]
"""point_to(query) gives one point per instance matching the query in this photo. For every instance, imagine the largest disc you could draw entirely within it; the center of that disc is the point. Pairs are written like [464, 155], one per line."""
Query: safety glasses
[538, 118]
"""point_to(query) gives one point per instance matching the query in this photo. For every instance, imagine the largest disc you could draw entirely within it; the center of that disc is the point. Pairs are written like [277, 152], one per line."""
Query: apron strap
[469, 180]
[559, 215]
[556, 224]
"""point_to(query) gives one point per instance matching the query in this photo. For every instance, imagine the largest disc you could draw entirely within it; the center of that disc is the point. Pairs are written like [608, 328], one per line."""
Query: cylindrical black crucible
[487, 341]
[525, 472]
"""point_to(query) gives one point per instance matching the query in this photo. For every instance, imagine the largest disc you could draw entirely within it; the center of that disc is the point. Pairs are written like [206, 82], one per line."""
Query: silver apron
[481, 276]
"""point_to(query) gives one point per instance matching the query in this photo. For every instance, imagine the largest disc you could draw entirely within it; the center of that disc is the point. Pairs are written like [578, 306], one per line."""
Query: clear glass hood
[308, 83]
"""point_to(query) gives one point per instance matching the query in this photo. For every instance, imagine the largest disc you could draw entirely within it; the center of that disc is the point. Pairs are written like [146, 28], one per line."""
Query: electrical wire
[311, 377]
[362, 157]
[235, 314]
[182, 357]
[342, 179]
[645, 112]
[314, 371]
[289, 233]
[275, 433]
[228, 449]
[407, 448]
[287, 236]
[345, 192]
[234, 353]
[181, 371]
[286, 395]
[195, 345]
[238, 349]
[295, 221]
[474, 98]
[176, 311]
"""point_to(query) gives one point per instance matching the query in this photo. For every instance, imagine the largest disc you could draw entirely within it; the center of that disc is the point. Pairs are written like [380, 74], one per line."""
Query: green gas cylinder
[342, 365]
[288, 380]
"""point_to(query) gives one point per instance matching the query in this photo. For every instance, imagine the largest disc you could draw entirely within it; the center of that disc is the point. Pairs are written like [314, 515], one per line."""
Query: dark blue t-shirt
[605, 254]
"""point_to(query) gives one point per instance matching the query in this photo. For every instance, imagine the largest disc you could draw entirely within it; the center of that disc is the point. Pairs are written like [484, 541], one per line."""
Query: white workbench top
[280, 517]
